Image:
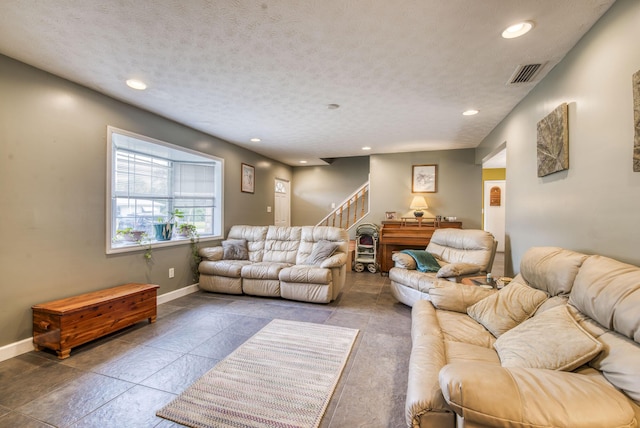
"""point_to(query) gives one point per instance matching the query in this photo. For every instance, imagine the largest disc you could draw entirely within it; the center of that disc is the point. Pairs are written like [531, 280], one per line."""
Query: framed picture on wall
[248, 183]
[424, 179]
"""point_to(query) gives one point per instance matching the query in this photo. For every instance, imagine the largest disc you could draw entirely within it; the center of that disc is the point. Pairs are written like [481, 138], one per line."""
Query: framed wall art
[248, 183]
[553, 141]
[424, 179]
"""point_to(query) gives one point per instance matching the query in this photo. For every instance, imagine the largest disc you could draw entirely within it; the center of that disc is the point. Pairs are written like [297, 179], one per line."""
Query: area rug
[283, 377]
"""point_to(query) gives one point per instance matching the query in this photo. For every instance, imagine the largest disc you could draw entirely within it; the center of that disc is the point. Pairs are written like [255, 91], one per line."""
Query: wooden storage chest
[66, 323]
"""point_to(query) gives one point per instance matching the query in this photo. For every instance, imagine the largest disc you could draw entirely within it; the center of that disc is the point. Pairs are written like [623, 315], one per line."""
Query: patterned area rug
[281, 377]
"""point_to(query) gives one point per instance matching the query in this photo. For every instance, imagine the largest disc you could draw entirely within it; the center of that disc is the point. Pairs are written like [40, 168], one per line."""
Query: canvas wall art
[636, 121]
[553, 141]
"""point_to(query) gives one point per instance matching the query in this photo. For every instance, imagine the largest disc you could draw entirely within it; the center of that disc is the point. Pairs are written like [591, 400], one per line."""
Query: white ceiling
[402, 71]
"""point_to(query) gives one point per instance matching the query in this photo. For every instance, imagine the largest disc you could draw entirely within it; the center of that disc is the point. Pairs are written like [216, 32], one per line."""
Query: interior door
[282, 203]
[494, 210]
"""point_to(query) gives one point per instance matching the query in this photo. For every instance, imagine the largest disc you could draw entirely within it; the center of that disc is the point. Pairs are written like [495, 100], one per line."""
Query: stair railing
[350, 211]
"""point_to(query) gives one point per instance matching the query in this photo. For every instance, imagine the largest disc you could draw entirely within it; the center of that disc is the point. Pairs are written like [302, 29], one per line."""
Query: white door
[494, 210]
[282, 204]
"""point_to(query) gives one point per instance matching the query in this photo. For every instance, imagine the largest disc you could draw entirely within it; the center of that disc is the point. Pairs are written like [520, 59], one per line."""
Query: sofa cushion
[321, 251]
[608, 291]
[305, 274]
[235, 249]
[457, 269]
[551, 269]
[551, 340]
[619, 361]
[452, 296]
[255, 237]
[281, 244]
[507, 308]
[263, 270]
[460, 327]
[227, 268]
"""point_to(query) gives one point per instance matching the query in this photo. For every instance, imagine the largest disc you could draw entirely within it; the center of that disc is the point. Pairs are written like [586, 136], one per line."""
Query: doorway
[282, 203]
[494, 210]
[494, 174]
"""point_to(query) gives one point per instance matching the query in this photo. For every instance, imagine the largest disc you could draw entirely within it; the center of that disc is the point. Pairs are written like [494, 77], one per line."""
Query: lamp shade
[418, 203]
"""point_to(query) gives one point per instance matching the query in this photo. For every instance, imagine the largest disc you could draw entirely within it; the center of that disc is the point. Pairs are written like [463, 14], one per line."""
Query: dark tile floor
[121, 380]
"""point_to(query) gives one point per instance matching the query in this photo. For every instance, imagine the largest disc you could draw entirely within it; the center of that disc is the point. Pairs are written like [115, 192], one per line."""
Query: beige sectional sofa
[306, 263]
[459, 252]
[557, 347]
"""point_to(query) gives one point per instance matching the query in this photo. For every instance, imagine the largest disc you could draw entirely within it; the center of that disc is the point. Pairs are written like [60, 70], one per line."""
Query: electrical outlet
[268, 209]
[172, 272]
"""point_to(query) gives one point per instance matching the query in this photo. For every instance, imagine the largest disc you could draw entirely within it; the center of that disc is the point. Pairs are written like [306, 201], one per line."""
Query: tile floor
[120, 381]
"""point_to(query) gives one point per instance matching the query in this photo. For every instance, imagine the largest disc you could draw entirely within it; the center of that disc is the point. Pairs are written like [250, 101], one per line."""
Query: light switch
[268, 209]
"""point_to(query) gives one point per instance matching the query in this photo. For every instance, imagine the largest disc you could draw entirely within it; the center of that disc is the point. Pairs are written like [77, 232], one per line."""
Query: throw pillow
[451, 296]
[321, 251]
[551, 340]
[457, 269]
[507, 308]
[235, 249]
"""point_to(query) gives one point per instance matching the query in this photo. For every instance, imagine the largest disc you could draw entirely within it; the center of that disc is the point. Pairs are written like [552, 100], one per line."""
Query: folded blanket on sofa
[425, 261]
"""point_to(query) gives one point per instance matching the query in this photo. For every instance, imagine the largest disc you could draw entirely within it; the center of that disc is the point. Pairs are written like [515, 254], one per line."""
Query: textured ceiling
[402, 71]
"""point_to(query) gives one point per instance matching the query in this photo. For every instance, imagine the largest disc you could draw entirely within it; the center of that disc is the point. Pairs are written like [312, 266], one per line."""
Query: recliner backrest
[463, 246]
[255, 237]
[281, 244]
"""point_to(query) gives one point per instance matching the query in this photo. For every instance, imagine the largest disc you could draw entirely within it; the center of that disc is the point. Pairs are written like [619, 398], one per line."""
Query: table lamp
[418, 204]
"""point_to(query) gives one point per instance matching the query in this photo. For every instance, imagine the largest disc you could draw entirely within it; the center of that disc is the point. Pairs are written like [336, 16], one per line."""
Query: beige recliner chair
[459, 252]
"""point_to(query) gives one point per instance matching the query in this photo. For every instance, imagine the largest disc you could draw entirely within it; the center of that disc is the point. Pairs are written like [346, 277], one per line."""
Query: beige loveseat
[478, 360]
[306, 263]
[459, 252]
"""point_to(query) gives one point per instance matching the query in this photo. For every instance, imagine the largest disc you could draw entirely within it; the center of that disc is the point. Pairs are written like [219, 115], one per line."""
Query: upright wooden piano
[397, 235]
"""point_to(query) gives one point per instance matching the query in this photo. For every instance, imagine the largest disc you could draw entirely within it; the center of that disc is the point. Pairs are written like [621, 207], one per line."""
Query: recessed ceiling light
[470, 112]
[333, 106]
[366, 148]
[136, 84]
[303, 161]
[255, 140]
[517, 30]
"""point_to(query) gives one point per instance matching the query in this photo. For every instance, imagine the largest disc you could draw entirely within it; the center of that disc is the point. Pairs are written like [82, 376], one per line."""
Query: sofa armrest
[453, 296]
[404, 261]
[458, 269]
[211, 253]
[490, 395]
[334, 261]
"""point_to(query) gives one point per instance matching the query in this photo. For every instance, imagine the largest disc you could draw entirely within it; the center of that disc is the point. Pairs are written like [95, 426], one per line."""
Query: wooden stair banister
[356, 203]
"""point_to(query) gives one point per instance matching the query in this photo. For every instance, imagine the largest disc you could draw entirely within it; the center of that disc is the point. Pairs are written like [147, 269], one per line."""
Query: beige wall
[52, 184]
[459, 185]
[315, 188]
[595, 205]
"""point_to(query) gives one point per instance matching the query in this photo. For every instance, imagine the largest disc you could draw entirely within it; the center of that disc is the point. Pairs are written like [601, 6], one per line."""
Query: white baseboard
[16, 348]
[23, 346]
[175, 294]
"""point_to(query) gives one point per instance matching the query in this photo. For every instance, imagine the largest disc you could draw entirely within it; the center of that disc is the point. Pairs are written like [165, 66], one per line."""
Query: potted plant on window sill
[164, 228]
[130, 235]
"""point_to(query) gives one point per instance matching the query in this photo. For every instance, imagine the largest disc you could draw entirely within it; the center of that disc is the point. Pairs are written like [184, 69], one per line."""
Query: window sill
[129, 247]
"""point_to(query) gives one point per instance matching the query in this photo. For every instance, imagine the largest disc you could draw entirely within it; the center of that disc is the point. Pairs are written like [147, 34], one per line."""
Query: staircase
[350, 211]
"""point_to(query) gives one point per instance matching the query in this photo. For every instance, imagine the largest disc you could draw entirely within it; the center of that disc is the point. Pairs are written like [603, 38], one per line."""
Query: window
[148, 180]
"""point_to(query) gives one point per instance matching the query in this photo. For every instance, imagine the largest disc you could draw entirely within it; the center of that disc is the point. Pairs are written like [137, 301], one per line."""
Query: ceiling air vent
[524, 73]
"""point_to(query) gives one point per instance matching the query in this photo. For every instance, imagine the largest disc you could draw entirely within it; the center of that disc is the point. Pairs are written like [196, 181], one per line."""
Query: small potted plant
[187, 230]
[130, 235]
[164, 228]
